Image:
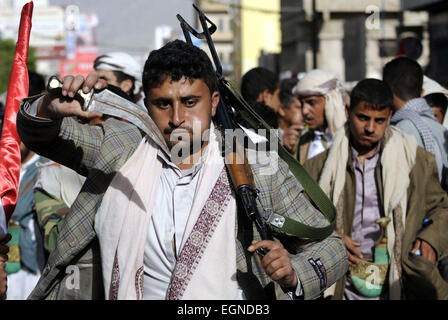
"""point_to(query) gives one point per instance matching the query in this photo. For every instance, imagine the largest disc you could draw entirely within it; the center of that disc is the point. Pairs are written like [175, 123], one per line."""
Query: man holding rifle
[161, 206]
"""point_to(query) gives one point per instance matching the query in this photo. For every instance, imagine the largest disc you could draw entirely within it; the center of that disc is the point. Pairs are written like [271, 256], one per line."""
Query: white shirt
[317, 146]
[172, 207]
[166, 229]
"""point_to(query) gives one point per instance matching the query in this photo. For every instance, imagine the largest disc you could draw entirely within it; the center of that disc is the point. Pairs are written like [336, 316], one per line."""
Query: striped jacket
[99, 152]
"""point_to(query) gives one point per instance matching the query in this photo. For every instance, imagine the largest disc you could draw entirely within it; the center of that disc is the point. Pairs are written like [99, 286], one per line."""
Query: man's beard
[183, 152]
[184, 147]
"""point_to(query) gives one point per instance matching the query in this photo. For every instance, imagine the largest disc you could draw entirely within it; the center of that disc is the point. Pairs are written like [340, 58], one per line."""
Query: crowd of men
[111, 199]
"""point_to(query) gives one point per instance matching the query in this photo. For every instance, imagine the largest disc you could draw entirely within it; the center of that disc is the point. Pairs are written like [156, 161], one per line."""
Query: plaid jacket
[99, 152]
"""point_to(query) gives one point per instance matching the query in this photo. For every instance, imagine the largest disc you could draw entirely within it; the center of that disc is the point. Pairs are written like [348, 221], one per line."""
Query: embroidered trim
[323, 270]
[398, 226]
[139, 283]
[199, 237]
[115, 279]
[320, 271]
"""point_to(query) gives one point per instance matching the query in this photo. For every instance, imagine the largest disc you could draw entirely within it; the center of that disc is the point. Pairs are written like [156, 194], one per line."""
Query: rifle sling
[317, 196]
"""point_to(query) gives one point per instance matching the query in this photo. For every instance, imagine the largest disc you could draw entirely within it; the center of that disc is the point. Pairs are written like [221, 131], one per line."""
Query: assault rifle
[241, 174]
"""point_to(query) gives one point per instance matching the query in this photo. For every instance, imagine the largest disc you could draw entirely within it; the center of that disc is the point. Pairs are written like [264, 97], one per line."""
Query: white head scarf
[329, 85]
[120, 61]
[431, 86]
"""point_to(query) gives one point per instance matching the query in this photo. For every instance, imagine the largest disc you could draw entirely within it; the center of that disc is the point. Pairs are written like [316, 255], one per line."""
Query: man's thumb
[91, 114]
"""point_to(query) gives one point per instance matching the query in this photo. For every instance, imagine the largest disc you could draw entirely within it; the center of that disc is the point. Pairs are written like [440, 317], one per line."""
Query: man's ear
[263, 96]
[390, 116]
[422, 94]
[281, 111]
[347, 111]
[215, 101]
[126, 85]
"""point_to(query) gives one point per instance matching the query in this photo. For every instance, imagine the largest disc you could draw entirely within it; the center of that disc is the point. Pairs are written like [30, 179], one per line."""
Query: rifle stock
[241, 175]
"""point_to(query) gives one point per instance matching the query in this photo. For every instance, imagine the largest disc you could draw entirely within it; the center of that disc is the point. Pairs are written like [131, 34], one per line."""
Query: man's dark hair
[255, 81]
[178, 59]
[119, 92]
[285, 95]
[268, 115]
[121, 76]
[404, 77]
[36, 83]
[375, 93]
[437, 100]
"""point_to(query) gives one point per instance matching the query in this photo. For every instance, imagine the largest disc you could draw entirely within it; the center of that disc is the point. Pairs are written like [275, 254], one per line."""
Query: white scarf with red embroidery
[206, 266]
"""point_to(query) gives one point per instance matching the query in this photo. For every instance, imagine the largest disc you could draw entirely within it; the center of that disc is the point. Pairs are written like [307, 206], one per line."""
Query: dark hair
[375, 93]
[268, 115]
[121, 76]
[36, 83]
[437, 100]
[119, 92]
[404, 77]
[175, 60]
[255, 81]
[285, 95]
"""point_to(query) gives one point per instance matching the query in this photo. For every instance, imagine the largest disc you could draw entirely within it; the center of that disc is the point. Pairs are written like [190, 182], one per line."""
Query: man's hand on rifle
[54, 106]
[277, 263]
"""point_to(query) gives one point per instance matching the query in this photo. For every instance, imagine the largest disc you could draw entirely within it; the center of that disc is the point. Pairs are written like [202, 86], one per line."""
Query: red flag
[10, 141]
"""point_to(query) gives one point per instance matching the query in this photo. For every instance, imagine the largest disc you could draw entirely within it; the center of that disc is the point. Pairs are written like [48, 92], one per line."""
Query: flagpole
[10, 159]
